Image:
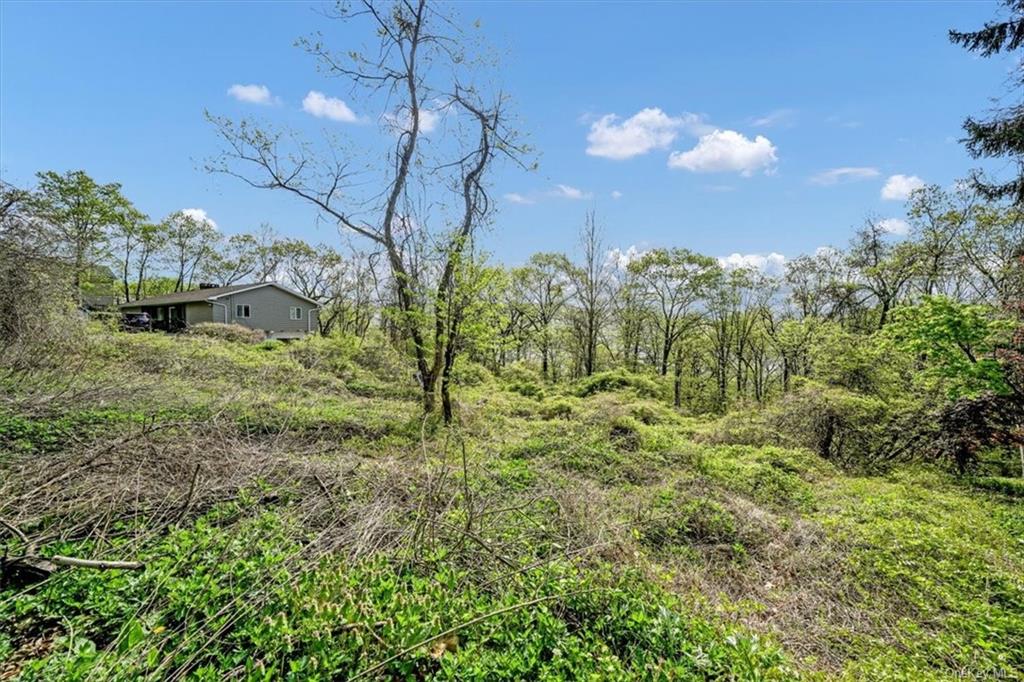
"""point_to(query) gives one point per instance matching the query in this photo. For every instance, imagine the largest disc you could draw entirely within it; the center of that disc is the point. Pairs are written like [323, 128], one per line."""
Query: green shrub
[559, 408]
[528, 389]
[519, 373]
[645, 413]
[1014, 487]
[617, 380]
[333, 353]
[24, 434]
[377, 355]
[227, 332]
[469, 373]
[271, 345]
[840, 425]
[741, 427]
[234, 604]
[769, 475]
[536, 446]
[671, 521]
[625, 433]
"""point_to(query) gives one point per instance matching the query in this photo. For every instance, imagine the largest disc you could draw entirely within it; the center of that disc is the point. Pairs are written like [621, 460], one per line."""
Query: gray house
[269, 307]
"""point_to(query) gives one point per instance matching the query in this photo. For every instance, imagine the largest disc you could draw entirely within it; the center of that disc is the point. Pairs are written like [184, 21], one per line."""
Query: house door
[176, 317]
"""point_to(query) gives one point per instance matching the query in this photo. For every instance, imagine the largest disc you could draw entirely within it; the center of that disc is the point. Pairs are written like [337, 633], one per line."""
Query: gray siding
[198, 312]
[269, 310]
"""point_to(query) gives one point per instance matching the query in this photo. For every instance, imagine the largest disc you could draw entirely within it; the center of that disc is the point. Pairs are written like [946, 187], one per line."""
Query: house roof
[209, 294]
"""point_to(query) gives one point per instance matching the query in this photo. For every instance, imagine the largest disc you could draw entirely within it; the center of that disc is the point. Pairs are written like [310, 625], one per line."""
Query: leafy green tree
[133, 235]
[189, 243]
[1001, 135]
[955, 342]
[990, 244]
[940, 223]
[543, 288]
[83, 213]
[312, 270]
[630, 314]
[822, 285]
[791, 340]
[843, 357]
[230, 261]
[151, 239]
[885, 268]
[672, 281]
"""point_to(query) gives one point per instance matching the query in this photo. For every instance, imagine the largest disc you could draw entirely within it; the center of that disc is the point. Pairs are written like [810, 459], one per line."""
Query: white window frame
[295, 313]
[243, 311]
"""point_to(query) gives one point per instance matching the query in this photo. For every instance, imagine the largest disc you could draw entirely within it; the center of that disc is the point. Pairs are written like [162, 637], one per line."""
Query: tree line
[724, 333]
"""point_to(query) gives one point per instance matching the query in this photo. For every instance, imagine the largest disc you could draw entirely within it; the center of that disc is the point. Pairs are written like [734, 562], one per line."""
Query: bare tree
[591, 281]
[410, 55]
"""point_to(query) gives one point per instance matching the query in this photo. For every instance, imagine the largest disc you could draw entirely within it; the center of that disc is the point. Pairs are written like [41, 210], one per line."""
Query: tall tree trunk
[666, 351]
[678, 384]
[124, 280]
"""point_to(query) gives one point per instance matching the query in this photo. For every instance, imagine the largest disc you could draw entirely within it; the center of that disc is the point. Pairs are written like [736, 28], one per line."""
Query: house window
[295, 313]
[159, 314]
[242, 310]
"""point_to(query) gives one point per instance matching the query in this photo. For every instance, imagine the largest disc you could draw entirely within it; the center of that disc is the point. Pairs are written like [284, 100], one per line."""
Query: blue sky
[750, 128]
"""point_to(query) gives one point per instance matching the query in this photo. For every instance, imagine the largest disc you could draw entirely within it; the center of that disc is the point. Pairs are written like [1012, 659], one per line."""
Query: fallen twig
[96, 563]
[14, 530]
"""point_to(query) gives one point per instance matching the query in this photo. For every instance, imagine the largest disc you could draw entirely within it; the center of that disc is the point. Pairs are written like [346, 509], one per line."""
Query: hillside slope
[298, 519]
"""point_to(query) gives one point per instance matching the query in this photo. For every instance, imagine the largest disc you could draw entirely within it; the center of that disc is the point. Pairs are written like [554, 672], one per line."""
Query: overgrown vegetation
[297, 518]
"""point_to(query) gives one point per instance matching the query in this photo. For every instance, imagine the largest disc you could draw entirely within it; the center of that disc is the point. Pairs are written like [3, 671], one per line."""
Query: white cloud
[616, 194]
[429, 120]
[894, 226]
[779, 117]
[199, 215]
[254, 94]
[727, 150]
[898, 187]
[400, 122]
[516, 198]
[646, 130]
[569, 192]
[834, 176]
[320, 105]
[620, 259]
[771, 264]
